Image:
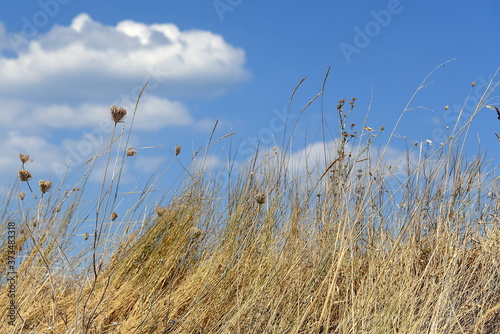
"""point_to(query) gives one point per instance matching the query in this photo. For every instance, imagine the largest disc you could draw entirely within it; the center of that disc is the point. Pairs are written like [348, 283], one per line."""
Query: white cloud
[312, 157]
[88, 61]
[149, 164]
[315, 158]
[56, 88]
[42, 152]
[153, 113]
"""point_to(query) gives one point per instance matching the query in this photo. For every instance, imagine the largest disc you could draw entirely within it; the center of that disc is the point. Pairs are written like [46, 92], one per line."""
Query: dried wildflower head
[24, 175]
[24, 157]
[260, 198]
[86, 236]
[114, 215]
[131, 152]
[194, 233]
[473, 84]
[58, 208]
[22, 195]
[35, 223]
[177, 150]
[341, 104]
[118, 114]
[446, 107]
[44, 186]
[160, 211]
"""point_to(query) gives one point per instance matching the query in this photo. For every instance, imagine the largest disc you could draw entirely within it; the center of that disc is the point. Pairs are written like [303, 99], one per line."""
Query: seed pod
[131, 152]
[260, 198]
[24, 157]
[160, 211]
[24, 175]
[118, 114]
[44, 186]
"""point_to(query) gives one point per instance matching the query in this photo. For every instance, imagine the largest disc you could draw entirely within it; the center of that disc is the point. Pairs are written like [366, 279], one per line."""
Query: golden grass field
[351, 245]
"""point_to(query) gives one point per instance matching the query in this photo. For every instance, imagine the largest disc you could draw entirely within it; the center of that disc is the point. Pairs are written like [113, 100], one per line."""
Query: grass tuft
[350, 243]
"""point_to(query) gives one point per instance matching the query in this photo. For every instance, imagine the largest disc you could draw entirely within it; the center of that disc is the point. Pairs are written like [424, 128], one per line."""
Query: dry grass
[351, 245]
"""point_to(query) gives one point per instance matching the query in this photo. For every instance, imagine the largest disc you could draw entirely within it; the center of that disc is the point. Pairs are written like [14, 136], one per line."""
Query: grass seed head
[24, 175]
[260, 198]
[194, 233]
[22, 195]
[24, 157]
[177, 150]
[44, 186]
[114, 215]
[160, 211]
[118, 114]
[131, 152]
[341, 104]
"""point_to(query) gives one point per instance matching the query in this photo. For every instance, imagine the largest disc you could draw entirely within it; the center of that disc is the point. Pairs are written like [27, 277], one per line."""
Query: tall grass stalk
[352, 242]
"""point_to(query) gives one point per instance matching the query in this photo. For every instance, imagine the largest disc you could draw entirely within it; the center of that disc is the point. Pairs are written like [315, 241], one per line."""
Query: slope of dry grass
[352, 245]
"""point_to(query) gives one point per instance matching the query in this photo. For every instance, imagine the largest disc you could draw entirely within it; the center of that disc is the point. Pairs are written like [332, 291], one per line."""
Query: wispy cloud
[88, 60]
[58, 86]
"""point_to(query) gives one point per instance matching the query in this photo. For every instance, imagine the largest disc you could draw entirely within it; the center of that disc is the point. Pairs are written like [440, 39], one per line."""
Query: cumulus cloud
[154, 113]
[88, 60]
[56, 88]
[316, 157]
[40, 150]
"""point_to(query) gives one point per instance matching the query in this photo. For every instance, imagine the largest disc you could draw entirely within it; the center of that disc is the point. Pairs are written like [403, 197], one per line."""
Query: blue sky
[65, 62]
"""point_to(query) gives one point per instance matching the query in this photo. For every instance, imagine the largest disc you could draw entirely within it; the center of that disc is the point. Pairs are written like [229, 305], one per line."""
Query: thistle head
[24, 157]
[131, 151]
[24, 175]
[260, 198]
[118, 114]
[44, 186]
